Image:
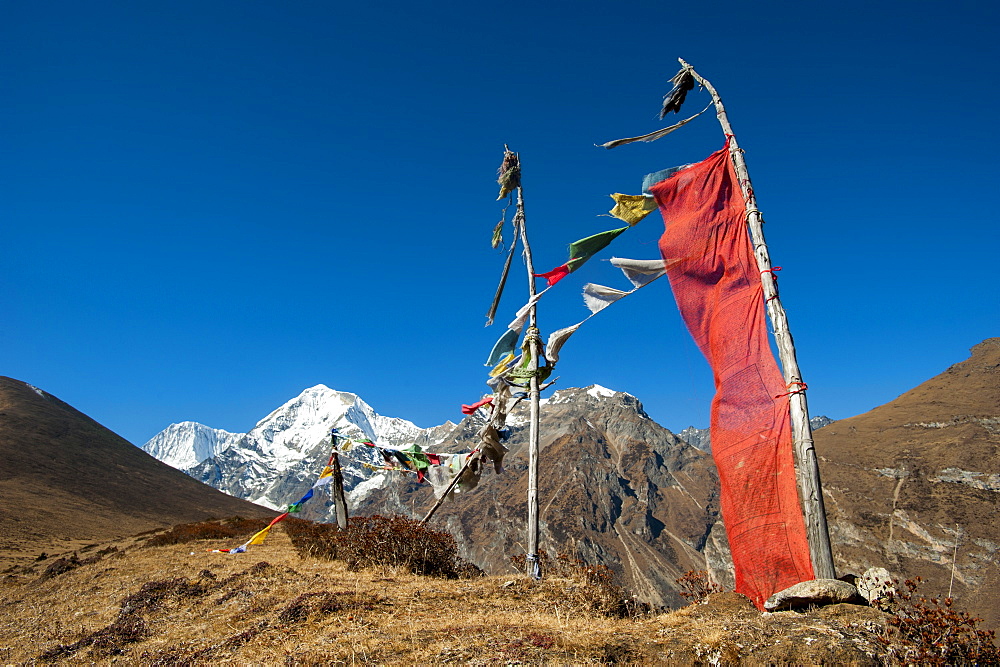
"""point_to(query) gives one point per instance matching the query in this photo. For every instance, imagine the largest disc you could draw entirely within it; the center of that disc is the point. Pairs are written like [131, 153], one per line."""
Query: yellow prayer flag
[632, 208]
[260, 537]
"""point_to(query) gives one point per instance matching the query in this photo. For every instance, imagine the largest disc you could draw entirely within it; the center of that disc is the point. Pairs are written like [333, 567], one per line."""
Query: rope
[802, 387]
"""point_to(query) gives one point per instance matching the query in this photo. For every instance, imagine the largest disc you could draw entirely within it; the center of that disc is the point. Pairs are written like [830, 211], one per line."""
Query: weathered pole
[806, 464]
[451, 485]
[533, 341]
[339, 499]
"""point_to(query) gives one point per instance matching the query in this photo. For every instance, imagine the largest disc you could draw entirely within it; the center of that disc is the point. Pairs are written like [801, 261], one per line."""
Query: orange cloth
[717, 286]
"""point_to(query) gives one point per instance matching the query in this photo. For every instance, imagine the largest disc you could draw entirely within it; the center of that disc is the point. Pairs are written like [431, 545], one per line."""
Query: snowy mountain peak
[290, 439]
[186, 444]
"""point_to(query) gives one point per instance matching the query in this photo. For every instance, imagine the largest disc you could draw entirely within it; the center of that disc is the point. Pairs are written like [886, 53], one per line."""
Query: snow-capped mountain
[189, 443]
[281, 454]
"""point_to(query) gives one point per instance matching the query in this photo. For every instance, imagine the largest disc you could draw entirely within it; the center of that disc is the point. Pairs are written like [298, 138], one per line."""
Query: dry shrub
[696, 586]
[226, 529]
[930, 631]
[591, 586]
[379, 541]
[64, 565]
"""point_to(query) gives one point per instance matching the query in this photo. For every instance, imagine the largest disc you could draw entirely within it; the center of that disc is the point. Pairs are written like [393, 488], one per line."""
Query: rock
[817, 592]
[875, 583]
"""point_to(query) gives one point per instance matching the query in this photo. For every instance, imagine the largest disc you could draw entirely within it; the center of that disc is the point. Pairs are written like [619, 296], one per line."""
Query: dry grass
[178, 604]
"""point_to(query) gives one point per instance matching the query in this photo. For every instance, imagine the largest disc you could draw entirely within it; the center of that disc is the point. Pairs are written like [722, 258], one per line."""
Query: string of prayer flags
[640, 272]
[579, 252]
[258, 538]
[632, 208]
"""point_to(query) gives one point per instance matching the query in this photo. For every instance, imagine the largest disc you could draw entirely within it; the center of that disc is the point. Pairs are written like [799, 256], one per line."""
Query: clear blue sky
[208, 207]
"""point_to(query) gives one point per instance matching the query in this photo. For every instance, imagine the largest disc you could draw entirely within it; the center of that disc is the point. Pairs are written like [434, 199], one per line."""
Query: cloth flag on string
[718, 290]
[640, 272]
[579, 252]
[599, 297]
[632, 208]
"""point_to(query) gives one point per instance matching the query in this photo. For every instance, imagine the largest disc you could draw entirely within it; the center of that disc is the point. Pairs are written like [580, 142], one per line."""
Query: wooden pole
[451, 485]
[533, 340]
[806, 465]
[339, 499]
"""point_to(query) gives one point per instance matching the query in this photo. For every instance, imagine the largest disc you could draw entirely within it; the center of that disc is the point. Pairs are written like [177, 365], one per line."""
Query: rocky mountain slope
[66, 479]
[914, 485]
[616, 489]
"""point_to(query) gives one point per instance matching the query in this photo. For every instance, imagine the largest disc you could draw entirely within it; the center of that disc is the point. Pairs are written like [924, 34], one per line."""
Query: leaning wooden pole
[806, 464]
[451, 485]
[533, 341]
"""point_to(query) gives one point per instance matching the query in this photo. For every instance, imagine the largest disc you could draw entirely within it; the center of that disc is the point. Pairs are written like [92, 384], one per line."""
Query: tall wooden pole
[339, 499]
[806, 465]
[533, 341]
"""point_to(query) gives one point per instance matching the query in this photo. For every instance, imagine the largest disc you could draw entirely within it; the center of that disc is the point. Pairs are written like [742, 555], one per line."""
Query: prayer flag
[556, 340]
[640, 272]
[470, 409]
[632, 208]
[718, 290]
[599, 297]
[579, 252]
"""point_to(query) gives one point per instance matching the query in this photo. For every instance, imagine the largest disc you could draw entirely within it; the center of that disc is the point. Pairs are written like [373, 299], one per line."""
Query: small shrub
[696, 586]
[592, 586]
[226, 529]
[378, 541]
[930, 631]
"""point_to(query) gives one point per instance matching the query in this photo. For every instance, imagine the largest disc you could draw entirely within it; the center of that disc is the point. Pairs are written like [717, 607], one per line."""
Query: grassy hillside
[172, 604]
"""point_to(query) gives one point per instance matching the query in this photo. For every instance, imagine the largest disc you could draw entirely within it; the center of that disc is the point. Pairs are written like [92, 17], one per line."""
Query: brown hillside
[905, 481]
[178, 605]
[66, 480]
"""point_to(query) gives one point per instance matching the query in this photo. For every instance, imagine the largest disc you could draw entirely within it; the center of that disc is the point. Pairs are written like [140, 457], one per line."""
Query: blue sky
[208, 207]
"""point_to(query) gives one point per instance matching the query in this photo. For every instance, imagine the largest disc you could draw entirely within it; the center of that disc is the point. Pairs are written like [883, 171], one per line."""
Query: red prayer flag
[716, 282]
[469, 409]
[555, 275]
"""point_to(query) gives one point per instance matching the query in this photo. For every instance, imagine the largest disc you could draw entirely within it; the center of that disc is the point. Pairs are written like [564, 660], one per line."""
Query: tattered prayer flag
[599, 297]
[632, 208]
[640, 271]
[579, 252]
[522, 315]
[556, 340]
[505, 346]
[653, 136]
[469, 409]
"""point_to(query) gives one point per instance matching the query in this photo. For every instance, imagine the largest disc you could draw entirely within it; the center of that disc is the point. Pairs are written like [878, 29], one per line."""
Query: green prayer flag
[582, 250]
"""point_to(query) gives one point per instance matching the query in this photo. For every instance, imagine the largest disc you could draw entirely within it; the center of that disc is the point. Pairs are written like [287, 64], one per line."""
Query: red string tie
[773, 271]
[802, 387]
